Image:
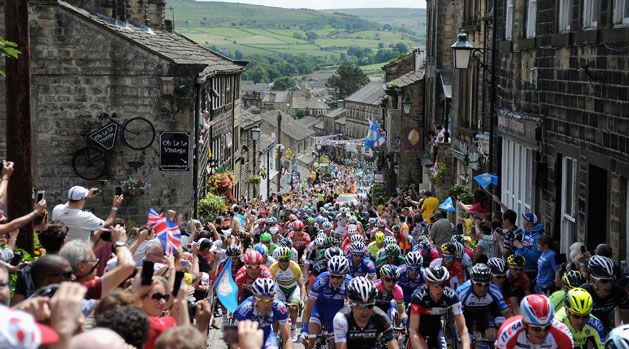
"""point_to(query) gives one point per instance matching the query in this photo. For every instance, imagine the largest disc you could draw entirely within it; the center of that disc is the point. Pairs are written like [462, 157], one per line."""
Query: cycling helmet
[320, 219]
[284, 252]
[436, 274]
[372, 220]
[572, 279]
[252, 257]
[310, 220]
[263, 287]
[448, 248]
[232, 251]
[287, 242]
[618, 338]
[261, 249]
[481, 273]
[319, 242]
[351, 220]
[338, 265]
[395, 228]
[321, 235]
[331, 252]
[514, 261]
[268, 221]
[327, 226]
[414, 259]
[361, 289]
[357, 247]
[390, 240]
[601, 267]
[457, 238]
[392, 250]
[379, 237]
[298, 225]
[290, 226]
[388, 270]
[356, 238]
[578, 301]
[425, 245]
[292, 217]
[382, 223]
[344, 210]
[265, 237]
[536, 310]
[459, 249]
[497, 266]
[329, 241]
[273, 220]
[365, 213]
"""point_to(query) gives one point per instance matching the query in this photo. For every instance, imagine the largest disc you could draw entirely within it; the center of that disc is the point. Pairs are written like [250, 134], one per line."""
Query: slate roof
[371, 93]
[171, 46]
[266, 141]
[295, 129]
[248, 119]
[335, 113]
[406, 79]
[250, 86]
[310, 103]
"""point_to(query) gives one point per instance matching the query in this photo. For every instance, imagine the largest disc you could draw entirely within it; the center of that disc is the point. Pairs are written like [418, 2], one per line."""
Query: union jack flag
[166, 231]
[154, 218]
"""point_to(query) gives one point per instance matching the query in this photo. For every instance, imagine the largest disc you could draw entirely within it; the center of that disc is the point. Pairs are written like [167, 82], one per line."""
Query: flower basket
[460, 192]
[134, 186]
[263, 173]
[254, 179]
[210, 207]
[222, 183]
[439, 174]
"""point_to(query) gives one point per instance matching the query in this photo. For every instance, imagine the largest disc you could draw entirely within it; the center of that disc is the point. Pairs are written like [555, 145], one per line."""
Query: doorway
[597, 210]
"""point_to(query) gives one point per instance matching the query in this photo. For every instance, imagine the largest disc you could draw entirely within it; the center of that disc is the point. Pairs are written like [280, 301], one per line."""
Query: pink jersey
[398, 293]
[513, 336]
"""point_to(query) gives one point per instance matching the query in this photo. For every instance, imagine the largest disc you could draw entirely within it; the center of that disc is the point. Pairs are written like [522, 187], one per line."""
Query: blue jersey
[366, 268]
[407, 284]
[471, 302]
[247, 311]
[328, 300]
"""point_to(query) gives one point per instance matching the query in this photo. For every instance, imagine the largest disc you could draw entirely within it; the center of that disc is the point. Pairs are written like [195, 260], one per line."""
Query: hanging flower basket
[222, 183]
[255, 179]
[263, 173]
[135, 186]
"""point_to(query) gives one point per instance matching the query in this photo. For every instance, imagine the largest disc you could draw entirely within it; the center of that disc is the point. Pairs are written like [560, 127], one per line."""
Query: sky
[330, 4]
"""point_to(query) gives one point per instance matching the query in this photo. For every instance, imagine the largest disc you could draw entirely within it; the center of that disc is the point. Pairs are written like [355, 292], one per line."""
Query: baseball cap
[531, 217]
[18, 330]
[77, 193]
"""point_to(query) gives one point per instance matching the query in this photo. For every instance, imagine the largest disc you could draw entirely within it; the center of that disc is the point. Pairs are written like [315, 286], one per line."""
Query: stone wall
[79, 71]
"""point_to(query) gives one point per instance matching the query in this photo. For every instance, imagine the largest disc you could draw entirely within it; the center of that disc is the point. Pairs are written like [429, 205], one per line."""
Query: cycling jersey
[247, 311]
[347, 331]
[373, 248]
[407, 284]
[513, 336]
[286, 277]
[428, 255]
[558, 298]
[329, 300]
[603, 308]
[299, 242]
[472, 302]
[397, 261]
[592, 331]
[244, 282]
[456, 272]
[431, 311]
[519, 286]
[366, 268]
[386, 301]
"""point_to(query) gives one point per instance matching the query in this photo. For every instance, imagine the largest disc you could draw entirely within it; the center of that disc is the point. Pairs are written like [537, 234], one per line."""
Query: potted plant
[263, 173]
[210, 207]
[255, 179]
[134, 186]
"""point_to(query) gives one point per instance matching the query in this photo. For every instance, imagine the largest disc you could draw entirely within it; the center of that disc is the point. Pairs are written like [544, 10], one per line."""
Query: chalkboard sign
[174, 151]
[105, 136]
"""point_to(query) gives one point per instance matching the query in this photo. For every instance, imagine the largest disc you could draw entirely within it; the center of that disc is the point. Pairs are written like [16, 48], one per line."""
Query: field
[410, 18]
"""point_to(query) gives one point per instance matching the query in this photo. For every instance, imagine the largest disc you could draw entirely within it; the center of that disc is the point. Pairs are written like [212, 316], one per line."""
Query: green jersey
[592, 331]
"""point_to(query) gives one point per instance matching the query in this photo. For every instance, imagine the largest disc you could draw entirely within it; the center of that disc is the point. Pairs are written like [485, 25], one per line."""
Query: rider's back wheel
[138, 133]
[89, 163]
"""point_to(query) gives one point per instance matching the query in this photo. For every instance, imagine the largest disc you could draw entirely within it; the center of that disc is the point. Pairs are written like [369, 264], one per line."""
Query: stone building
[249, 159]
[400, 161]
[562, 121]
[98, 59]
[362, 106]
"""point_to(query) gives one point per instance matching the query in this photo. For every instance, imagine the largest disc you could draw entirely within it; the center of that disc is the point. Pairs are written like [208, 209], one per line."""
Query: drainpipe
[195, 165]
[492, 101]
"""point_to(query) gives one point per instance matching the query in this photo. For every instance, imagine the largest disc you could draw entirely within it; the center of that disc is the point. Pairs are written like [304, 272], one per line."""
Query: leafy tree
[284, 83]
[387, 28]
[301, 112]
[401, 48]
[347, 79]
[258, 74]
[238, 55]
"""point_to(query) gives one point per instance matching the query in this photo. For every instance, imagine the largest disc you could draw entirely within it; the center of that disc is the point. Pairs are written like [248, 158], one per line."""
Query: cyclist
[286, 242]
[576, 315]
[376, 245]
[388, 240]
[359, 263]
[266, 310]
[536, 327]
[480, 300]
[450, 261]
[390, 297]
[267, 260]
[248, 273]
[298, 237]
[311, 252]
[232, 252]
[322, 266]
[326, 297]
[428, 304]
[393, 256]
[290, 283]
[519, 282]
[609, 301]
[498, 268]
[618, 338]
[265, 239]
[360, 325]
[427, 250]
[409, 275]
[570, 279]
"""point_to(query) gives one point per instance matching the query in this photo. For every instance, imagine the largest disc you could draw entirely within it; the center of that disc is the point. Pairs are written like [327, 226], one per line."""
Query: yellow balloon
[413, 137]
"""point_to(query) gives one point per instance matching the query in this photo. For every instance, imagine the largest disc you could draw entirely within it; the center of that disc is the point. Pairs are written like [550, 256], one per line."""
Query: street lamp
[406, 105]
[255, 133]
[462, 51]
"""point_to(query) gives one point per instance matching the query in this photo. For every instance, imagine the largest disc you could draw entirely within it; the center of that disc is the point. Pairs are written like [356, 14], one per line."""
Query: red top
[299, 242]
[513, 336]
[157, 326]
[243, 281]
[94, 288]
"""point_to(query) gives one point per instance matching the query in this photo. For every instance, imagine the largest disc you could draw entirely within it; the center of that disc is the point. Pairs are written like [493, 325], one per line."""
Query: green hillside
[413, 19]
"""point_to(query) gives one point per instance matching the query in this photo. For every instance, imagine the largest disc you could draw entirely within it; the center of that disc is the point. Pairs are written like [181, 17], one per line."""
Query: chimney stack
[168, 25]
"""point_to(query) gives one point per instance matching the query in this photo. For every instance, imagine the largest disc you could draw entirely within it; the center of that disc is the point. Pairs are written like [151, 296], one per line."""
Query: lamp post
[406, 105]
[255, 137]
[279, 152]
[462, 51]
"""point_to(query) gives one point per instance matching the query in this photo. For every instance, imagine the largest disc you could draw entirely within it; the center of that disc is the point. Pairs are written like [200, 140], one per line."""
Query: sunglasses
[264, 300]
[156, 297]
[579, 317]
[516, 269]
[363, 305]
[499, 276]
[603, 281]
[357, 254]
[284, 260]
[539, 328]
[253, 266]
[482, 284]
[332, 276]
[449, 256]
[389, 279]
[413, 268]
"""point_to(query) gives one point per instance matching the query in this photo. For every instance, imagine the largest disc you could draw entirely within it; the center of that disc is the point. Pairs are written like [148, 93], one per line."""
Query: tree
[387, 28]
[347, 79]
[258, 74]
[284, 83]
[401, 48]
[301, 112]
[238, 55]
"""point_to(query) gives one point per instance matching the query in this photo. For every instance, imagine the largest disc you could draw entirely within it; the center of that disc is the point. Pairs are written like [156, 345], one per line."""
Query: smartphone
[583, 249]
[106, 235]
[177, 285]
[230, 334]
[185, 263]
[148, 268]
[41, 194]
[118, 190]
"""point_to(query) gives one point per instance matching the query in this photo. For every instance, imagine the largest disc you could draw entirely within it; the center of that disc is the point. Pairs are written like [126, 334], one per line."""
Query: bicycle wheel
[138, 133]
[89, 163]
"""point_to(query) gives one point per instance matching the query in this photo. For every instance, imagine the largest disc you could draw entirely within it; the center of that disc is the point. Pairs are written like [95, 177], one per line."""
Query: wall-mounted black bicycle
[94, 148]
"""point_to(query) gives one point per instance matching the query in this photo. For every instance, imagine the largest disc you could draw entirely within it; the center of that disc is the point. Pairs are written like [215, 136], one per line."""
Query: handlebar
[324, 335]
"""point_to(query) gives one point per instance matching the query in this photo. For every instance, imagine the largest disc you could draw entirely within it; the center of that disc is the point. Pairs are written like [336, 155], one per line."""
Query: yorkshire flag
[226, 289]
[375, 136]
[486, 179]
[448, 205]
